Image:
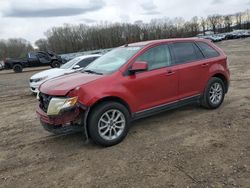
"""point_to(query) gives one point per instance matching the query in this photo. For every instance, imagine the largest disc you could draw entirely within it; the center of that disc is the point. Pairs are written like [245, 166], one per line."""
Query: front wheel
[108, 123]
[214, 93]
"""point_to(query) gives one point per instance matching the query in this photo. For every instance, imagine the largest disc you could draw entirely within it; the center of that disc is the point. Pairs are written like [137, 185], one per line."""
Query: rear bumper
[62, 119]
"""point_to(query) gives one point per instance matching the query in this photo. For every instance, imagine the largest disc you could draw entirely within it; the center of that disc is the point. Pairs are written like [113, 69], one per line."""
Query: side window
[94, 58]
[157, 57]
[85, 62]
[45, 56]
[32, 55]
[185, 52]
[207, 50]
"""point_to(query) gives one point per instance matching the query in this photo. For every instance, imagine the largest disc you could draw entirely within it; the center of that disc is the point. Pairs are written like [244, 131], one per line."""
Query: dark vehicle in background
[34, 59]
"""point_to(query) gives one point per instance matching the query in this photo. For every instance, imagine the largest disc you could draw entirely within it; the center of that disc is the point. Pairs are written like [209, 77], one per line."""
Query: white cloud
[50, 9]
[29, 19]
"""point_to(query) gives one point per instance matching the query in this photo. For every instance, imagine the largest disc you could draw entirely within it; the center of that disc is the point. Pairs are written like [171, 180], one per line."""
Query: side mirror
[138, 66]
[76, 67]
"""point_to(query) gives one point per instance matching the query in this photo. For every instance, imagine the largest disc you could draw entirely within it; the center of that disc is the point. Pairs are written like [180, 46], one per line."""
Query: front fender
[91, 96]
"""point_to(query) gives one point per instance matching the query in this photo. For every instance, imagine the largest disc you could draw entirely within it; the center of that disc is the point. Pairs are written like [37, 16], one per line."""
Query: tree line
[16, 47]
[73, 38]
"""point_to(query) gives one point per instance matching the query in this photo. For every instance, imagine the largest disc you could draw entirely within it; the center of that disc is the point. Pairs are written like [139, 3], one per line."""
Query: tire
[108, 118]
[214, 93]
[55, 64]
[18, 68]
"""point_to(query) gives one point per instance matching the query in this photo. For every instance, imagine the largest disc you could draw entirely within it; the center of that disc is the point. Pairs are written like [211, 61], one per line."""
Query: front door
[159, 84]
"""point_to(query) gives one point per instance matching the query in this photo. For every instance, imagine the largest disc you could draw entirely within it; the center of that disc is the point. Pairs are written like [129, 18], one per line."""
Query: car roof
[152, 42]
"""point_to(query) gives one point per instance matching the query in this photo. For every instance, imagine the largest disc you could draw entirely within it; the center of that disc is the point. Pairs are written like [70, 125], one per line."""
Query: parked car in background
[131, 82]
[34, 59]
[213, 38]
[226, 36]
[1, 65]
[232, 35]
[237, 34]
[72, 66]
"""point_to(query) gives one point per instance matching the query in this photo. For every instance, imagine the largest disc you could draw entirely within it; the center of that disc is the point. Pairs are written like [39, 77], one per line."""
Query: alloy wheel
[215, 93]
[111, 124]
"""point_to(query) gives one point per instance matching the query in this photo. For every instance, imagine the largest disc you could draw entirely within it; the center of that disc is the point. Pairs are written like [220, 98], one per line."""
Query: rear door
[44, 59]
[193, 68]
[159, 84]
[32, 59]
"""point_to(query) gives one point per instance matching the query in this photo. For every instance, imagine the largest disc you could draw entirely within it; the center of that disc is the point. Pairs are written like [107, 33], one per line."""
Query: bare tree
[248, 18]
[203, 24]
[228, 22]
[214, 21]
[14, 48]
[238, 18]
[42, 44]
[72, 38]
[3, 49]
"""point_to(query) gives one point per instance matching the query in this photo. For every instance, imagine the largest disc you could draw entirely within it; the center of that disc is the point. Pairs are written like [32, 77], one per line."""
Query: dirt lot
[188, 147]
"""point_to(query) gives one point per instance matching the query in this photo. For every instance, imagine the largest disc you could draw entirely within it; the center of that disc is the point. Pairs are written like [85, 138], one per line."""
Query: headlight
[57, 104]
[39, 79]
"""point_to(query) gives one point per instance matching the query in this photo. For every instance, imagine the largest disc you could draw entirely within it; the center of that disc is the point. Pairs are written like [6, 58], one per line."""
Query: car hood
[51, 73]
[62, 85]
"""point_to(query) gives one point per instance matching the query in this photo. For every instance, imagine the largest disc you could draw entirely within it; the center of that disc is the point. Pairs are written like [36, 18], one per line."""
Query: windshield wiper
[92, 72]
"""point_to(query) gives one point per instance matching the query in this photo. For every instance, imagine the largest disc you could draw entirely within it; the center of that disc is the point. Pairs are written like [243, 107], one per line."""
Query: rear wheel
[214, 93]
[17, 68]
[55, 64]
[108, 123]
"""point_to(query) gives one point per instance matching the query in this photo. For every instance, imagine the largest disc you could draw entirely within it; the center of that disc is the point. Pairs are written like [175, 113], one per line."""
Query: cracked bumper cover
[64, 117]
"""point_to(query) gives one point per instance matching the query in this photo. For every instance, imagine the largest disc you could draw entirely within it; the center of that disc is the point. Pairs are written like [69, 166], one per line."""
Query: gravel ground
[187, 147]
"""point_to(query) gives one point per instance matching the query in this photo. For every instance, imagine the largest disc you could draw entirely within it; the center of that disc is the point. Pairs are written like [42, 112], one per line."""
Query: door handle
[204, 65]
[170, 72]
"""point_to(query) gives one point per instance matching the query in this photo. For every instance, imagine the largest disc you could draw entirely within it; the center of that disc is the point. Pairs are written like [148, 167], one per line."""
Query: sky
[29, 19]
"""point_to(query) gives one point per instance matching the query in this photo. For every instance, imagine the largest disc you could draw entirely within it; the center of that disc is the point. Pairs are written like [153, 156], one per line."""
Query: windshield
[113, 60]
[70, 63]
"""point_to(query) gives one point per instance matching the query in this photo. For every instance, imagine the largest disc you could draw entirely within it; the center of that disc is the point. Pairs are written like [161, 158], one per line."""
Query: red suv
[132, 82]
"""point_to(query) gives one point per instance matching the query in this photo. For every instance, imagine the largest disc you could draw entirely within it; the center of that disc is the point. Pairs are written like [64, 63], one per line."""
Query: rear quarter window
[186, 52]
[207, 50]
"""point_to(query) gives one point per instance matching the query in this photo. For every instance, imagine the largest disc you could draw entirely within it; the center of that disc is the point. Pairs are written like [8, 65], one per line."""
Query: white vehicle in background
[73, 65]
[1, 65]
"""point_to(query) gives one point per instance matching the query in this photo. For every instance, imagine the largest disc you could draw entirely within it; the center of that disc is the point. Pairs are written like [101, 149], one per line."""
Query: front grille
[44, 101]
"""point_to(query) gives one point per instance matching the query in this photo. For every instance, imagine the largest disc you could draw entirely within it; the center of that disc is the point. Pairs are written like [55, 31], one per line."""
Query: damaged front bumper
[63, 118]
[72, 120]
